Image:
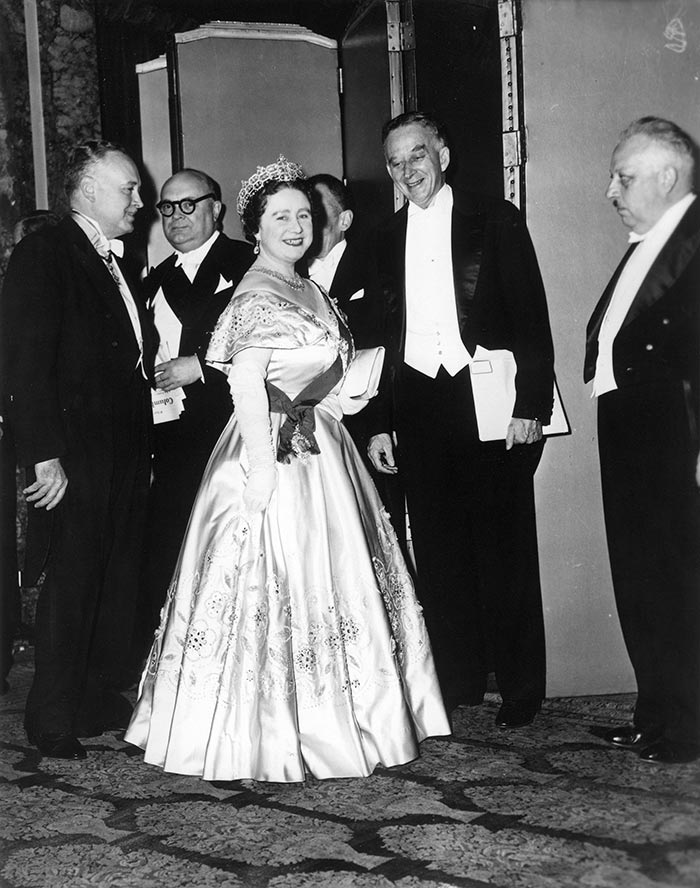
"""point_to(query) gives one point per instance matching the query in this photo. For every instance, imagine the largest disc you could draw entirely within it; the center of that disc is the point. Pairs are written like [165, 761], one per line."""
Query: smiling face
[416, 160]
[186, 232]
[641, 180]
[286, 228]
[110, 188]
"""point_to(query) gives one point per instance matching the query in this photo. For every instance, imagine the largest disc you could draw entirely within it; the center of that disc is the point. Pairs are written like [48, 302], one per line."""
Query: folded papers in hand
[493, 385]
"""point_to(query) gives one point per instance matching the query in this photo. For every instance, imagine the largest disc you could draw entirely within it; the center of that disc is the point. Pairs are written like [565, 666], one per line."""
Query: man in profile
[338, 265]
[343, 268]
[643, 357]
[77, 345]
[186, 293]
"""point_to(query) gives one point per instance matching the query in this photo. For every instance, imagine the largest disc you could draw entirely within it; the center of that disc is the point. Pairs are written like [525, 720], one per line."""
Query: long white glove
[247, 384]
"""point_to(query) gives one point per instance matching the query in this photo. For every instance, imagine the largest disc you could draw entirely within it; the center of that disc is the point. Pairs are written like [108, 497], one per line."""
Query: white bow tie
[105, 246]
[187, 261]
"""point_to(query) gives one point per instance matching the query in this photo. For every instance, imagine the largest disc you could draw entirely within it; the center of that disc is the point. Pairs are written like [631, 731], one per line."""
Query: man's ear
[668, 178]
[216, 210]
[345, 219]
[87, 187]
[444, 155]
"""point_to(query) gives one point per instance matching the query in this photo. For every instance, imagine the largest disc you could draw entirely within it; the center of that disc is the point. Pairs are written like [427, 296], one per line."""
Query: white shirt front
[191, 261]
[322, 271]
[432, 327]
[167, 323]
[631, 278]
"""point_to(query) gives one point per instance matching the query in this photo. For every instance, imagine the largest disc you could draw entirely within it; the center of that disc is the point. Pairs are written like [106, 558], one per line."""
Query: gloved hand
[246, 381]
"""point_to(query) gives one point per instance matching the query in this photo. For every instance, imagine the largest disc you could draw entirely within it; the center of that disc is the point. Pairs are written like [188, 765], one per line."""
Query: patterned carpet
[550, 806]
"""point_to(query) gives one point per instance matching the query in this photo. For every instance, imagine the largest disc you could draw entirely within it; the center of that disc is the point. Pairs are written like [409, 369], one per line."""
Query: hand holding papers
[166, 406]
[493, 385]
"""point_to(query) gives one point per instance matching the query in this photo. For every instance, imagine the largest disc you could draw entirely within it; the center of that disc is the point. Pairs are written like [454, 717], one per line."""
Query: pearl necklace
[295, 283]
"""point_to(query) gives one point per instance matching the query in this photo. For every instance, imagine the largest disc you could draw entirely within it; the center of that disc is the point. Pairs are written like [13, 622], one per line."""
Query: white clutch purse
[362, 379]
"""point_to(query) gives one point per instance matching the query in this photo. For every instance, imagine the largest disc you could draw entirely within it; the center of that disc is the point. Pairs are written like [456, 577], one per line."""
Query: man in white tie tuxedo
[457, 270]
[77, 345]
[185, 294]
[643, 357]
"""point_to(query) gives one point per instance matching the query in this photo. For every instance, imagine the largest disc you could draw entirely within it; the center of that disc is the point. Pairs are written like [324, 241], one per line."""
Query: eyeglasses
[186, 205]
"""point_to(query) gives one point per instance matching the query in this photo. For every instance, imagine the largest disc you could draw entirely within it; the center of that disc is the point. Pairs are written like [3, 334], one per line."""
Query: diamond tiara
[282, 170]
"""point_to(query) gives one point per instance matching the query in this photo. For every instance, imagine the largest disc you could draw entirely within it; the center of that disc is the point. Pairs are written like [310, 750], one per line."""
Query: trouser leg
[652, 516]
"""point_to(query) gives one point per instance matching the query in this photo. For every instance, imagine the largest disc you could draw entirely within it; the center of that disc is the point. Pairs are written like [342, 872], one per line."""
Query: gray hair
[670, 135]
[82, 159]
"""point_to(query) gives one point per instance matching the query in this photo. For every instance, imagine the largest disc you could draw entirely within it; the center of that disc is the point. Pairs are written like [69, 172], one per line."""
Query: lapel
[467, 237]
[148, 334]
[396, 258]
[670, 264]
[190, 301]
[97, 273]
[155, 279]
[348, 277]
[207, 278]
[596, 319]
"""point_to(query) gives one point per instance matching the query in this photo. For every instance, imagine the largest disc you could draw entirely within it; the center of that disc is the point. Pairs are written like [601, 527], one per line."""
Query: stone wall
[70, 89]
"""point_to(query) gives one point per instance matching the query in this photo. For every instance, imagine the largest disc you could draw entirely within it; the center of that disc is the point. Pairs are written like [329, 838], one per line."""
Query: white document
[167, 406]
[493, 384]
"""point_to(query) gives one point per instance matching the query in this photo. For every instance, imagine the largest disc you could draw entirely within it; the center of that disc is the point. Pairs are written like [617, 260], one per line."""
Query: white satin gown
[291, 642]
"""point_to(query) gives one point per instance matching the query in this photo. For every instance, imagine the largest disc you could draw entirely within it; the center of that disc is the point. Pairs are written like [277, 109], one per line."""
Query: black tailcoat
[74, 391]
[351, 279]
[183, 446]
[648, 444]
[471, 504]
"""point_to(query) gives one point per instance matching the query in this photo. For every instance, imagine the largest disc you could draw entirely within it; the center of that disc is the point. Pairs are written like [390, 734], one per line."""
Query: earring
[256, 248]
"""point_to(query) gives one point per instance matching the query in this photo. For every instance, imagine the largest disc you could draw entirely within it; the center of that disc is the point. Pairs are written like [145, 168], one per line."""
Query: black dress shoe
[630, 737]
[667, 752]
[59, 746]
[517, 713]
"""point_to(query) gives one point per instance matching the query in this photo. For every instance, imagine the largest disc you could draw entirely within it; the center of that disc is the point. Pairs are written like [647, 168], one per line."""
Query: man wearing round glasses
[186, 294]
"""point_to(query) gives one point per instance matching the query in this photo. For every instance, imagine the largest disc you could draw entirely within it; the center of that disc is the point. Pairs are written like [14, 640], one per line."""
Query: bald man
[186, 294]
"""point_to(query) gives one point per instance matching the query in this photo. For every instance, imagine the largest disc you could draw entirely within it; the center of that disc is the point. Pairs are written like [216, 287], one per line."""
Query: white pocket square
[223, 284]
[358, 295]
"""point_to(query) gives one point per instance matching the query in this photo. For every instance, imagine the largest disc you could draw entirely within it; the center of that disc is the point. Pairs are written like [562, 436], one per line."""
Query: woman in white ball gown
[291, 641]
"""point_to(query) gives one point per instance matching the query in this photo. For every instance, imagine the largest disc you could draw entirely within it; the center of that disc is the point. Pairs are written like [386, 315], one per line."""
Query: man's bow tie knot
[106, 247]
[187, 262]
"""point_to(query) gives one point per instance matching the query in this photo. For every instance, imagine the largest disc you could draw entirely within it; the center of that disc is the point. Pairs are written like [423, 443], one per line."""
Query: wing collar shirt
[322, 271]
[636, 268]
[191, 261]
[167, 323]
[432, 328]
[105, 248]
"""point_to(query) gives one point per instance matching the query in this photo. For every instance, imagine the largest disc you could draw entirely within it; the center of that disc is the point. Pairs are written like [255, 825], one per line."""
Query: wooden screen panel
[247, 97]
